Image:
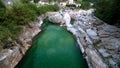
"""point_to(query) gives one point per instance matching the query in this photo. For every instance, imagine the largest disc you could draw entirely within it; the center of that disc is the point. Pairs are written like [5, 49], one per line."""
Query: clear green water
[54, 47]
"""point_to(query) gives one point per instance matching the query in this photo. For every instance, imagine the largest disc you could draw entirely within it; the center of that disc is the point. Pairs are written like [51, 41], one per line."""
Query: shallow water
[54, 47]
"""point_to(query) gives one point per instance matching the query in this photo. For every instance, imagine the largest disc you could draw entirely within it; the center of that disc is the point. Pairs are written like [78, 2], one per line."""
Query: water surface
[54, 47]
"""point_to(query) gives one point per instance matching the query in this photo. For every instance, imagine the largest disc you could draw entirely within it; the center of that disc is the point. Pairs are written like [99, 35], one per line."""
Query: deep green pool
[54, 47]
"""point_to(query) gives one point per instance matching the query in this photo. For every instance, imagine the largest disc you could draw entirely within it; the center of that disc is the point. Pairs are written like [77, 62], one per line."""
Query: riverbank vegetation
[106, 10]
[14, 15]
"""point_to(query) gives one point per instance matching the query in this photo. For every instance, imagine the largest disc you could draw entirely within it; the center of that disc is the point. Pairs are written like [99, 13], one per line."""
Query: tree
[108, 10]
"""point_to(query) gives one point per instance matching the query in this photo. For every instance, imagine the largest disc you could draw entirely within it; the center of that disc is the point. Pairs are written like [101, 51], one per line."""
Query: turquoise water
[54, 47]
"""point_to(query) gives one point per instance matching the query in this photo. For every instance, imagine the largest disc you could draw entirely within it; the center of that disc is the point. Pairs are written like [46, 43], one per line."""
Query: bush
[45, 8]
[85, 5]
[23, 14]
[71, 5]
[108, 10]
[12, 18]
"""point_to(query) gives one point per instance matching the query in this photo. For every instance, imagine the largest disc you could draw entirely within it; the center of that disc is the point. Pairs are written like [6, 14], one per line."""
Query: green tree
[108, 10]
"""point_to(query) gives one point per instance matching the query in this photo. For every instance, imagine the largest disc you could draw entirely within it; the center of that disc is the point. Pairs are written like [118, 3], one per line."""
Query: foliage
[71, 5]
[72, 21]
[36, 1]
[41, 9]
[12, 18]
[85, 5]
[23, 14]
[1, 4]
[108, 10]
[25, 1]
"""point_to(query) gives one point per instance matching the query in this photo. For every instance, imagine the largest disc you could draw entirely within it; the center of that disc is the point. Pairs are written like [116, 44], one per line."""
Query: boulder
[10, 57]
[67, 20]
[55, 17]
[94, 58]
[92, 33]
[59, 18]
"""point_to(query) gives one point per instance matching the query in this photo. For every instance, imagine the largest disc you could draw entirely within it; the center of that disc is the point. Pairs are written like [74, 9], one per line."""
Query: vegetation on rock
[108, 10]
[13, 17]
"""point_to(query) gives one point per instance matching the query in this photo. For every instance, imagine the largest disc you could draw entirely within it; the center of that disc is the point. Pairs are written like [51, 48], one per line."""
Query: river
[53, 47]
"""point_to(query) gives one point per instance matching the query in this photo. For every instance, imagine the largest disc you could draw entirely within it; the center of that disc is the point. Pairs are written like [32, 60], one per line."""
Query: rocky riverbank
[100, 41]
[11, 56]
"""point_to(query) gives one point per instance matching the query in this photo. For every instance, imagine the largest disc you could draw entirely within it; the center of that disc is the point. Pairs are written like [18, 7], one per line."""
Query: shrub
[41, 9]
[71, 5]
[12, 18]
[85, 5]
[108, 10]
[23, 14]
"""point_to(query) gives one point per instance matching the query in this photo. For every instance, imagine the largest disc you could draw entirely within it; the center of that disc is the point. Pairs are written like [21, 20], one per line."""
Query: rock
[94, 58]
[67, 19]
[73, 30]
[102, 32]
[114, 41]
[104, 53]
[5, 53]
[110, 28]
[60, 18]
[24, 47]
[92, 33]
[90, 11]
[9, 58]
[116, 56]
[110, 47]
[113, 64]
[55, 17]
[103, 36]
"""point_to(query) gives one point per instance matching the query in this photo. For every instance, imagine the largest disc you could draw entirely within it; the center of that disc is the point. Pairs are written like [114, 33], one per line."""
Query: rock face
[55, 17]
[98, 40]
[28, 32]
[10, 57]
[60, 17]
[67, 19]
[95, 59]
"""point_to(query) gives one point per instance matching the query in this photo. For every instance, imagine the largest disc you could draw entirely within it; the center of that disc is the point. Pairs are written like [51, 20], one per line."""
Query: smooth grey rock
[9, 58]
[110, 47]
[113, 64]
[104, 53]
[5, 53]
[92, 33]
[55, 17]
[110, 28]
[95, 59]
